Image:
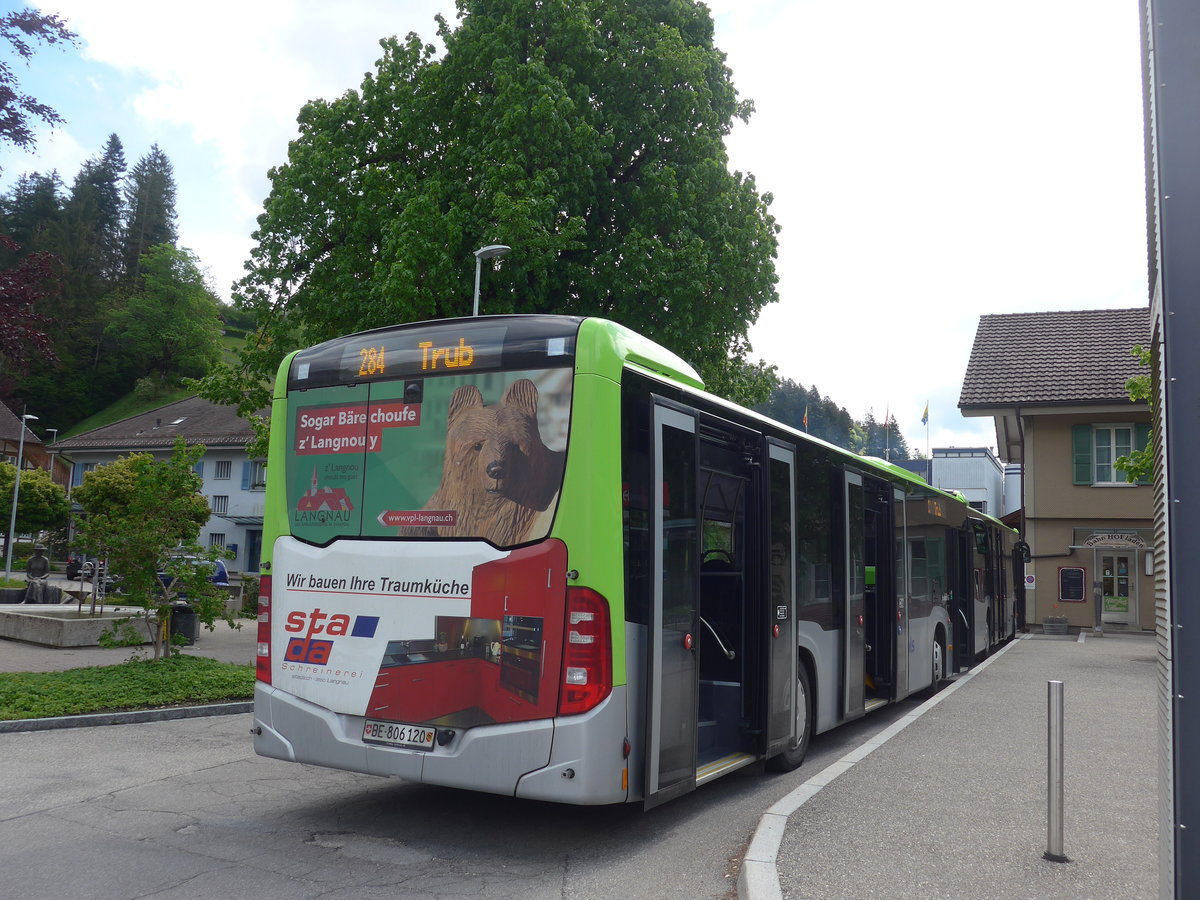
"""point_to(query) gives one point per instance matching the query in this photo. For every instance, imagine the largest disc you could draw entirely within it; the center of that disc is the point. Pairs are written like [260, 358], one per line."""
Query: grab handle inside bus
[716, 637]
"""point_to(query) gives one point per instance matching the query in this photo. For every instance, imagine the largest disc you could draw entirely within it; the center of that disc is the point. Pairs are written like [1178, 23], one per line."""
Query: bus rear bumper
[549, 759]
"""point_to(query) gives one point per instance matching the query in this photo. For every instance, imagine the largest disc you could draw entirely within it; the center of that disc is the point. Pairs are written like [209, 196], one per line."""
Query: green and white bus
[530, 555]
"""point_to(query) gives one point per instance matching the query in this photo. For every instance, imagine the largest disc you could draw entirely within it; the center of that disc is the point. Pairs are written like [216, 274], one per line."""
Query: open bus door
[961, 542]
[673, 669]
[854, 622]
[784, 728]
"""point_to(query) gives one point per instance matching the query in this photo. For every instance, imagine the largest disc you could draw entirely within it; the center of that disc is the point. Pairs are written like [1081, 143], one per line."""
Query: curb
[132, 717]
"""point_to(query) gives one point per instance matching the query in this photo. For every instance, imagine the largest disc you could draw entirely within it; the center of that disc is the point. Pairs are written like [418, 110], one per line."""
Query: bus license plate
[398, 734]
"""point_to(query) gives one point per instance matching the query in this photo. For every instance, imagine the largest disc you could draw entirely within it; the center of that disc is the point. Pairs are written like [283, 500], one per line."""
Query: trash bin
[184, 622]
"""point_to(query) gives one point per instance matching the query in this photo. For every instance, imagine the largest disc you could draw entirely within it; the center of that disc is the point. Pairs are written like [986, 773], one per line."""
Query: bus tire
[939, 663]
[792, 757]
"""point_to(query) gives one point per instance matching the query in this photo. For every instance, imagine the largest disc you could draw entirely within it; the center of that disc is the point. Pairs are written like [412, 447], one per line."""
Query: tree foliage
[93, 231]
[170, 321]
[23, 289]
[150, 207]
[22, 29]
[586, 135]
[143, 514]
[791, 403]
[1138, 466]
[41, 504]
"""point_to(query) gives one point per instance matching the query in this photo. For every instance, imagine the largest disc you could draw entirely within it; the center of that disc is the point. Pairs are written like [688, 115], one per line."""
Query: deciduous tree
[141, 514]
[41, 504]
[170, 322]
[22, 29]
[587, 135]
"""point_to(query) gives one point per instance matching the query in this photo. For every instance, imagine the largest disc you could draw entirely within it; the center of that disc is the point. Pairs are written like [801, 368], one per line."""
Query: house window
[258, 476]
[1096, 448]
[1110, 443]
[224, 470]
[216, 539]
[220, 505]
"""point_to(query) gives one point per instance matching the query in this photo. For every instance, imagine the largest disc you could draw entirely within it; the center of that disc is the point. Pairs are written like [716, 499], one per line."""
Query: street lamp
[12, 521]
[489, 252]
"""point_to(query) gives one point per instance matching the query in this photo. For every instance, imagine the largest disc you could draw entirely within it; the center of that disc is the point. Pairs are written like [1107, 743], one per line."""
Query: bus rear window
[478, 455]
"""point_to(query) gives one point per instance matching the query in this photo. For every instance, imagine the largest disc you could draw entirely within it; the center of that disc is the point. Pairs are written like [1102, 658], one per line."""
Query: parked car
[74, 566]
[219, 576]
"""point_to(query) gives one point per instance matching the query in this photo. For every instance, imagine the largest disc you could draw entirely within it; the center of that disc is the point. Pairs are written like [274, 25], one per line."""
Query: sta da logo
[315, 651]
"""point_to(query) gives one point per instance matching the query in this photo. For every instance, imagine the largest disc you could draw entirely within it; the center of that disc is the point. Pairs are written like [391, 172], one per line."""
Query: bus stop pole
[1054, 772]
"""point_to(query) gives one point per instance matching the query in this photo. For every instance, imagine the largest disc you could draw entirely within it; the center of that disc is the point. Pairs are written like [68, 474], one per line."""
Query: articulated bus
[530, 555]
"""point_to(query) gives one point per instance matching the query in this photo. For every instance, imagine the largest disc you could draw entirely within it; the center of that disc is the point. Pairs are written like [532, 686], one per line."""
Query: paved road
[183, 809]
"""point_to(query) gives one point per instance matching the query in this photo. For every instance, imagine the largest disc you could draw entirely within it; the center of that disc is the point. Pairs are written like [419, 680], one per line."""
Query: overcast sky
[931, 160]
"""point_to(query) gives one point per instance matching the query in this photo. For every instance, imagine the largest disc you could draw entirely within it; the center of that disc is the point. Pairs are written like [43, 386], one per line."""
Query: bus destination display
[393, 355]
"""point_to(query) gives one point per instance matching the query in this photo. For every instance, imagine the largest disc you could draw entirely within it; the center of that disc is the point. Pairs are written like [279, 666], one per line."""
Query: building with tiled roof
[33, 452]
[234, 483]
[1055, 385]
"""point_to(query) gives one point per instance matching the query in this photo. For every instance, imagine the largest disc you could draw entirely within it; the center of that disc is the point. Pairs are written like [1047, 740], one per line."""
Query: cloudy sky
[931, 160]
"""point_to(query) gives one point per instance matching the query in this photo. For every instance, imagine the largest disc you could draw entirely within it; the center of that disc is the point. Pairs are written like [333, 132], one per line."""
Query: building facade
[233, 483]
[1055, 384]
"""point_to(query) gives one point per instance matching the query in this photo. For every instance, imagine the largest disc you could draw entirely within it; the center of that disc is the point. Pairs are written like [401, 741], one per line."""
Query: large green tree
[170, 322]
[587, 135]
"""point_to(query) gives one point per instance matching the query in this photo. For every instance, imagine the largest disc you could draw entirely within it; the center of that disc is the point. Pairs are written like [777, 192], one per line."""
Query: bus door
[673, 665]
[854, 621]
[960, 544]
[780, 624]
[902, 640]
[881, 599]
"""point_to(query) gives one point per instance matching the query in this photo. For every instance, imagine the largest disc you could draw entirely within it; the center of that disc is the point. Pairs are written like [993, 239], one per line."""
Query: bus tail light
[262, 663]
[587, 652]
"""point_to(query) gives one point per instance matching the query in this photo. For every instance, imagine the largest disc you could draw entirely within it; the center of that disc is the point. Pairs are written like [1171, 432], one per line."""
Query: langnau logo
[316, 652]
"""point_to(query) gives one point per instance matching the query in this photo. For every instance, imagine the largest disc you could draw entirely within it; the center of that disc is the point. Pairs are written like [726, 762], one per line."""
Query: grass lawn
[137, 684]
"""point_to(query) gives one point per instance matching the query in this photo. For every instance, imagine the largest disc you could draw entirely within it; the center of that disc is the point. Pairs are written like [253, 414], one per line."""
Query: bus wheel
[791, 758]
[939, 663]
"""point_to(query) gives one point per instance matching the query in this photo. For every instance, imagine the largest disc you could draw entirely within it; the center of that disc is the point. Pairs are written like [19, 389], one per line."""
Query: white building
[975, 472]
[234, 484]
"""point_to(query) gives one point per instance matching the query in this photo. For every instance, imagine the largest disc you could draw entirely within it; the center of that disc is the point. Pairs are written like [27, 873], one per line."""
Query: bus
[530, 555]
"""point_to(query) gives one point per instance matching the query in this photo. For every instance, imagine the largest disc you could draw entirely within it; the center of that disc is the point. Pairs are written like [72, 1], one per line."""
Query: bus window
[458, 456]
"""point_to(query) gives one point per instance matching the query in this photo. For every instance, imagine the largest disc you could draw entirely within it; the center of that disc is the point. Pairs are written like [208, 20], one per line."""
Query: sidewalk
[954, 803]
[224, 643]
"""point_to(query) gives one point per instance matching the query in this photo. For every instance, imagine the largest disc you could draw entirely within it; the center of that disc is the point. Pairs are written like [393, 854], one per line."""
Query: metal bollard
[1054, 772]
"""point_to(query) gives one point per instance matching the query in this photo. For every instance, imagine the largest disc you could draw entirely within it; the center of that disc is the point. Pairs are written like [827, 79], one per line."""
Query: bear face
[497, 473]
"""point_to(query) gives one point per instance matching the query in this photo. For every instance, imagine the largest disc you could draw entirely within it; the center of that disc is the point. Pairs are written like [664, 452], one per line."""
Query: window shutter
[1141, 437]
[247, 468]
[1081, 453]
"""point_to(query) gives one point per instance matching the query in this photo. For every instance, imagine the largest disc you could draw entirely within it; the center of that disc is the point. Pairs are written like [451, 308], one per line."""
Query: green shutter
[1081, 453]
[1141, 437]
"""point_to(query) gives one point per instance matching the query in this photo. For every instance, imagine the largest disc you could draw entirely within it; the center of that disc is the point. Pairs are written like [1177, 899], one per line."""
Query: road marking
[758, 878]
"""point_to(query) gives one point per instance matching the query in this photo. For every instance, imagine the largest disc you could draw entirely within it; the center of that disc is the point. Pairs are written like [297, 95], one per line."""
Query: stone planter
[59, 627]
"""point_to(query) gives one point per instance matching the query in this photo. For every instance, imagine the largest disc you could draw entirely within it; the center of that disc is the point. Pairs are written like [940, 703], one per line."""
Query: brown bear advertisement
[480, 456]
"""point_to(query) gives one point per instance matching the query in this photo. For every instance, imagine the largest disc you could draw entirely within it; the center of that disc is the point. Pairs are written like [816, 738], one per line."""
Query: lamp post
[491, 251]
[12, 521]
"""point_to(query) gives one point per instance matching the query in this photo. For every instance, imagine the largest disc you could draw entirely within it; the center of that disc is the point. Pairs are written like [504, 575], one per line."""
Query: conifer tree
[150, 209]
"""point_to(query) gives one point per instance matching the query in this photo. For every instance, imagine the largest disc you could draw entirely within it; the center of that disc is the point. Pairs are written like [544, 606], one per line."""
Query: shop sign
[1113, 539]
